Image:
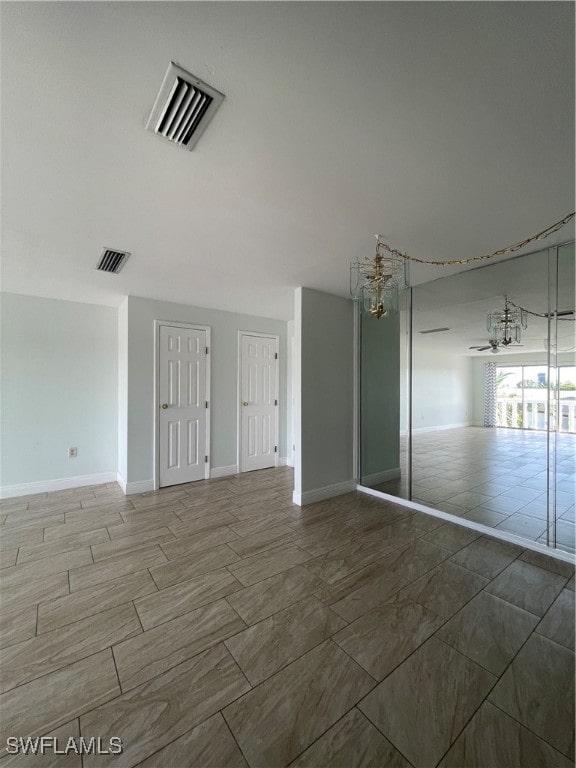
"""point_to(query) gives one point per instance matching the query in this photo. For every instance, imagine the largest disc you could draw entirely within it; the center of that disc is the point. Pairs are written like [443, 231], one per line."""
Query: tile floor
[218, 625]
[496, 477]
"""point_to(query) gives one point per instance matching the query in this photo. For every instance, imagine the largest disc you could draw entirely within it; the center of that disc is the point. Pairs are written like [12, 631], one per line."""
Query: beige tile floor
[496, 477]
[217, 625]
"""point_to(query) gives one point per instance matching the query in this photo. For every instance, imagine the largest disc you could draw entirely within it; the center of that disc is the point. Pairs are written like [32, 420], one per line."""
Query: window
[525, 396]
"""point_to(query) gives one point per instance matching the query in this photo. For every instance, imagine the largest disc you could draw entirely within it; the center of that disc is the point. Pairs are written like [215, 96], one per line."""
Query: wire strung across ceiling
[541, 314]
[382, 246]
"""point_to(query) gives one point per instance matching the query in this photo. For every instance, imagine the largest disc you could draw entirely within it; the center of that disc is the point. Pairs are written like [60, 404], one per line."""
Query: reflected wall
[431, 396]
[380, 394]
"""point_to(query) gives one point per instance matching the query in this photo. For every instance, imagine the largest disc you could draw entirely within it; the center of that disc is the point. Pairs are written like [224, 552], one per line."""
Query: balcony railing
[532, 414]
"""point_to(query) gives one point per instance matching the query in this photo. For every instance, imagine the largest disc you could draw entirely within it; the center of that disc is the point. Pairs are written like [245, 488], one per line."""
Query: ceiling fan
[494, 346]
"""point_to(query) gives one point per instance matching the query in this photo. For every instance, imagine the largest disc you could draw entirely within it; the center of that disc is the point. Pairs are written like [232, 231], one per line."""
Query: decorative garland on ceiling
[381, 246]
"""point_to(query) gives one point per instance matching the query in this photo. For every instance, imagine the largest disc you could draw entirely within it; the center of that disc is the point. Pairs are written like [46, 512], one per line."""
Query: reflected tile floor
[216, 624]
[496, 477]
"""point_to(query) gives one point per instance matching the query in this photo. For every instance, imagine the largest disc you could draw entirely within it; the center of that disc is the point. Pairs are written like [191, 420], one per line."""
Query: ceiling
[447, 127]
[539, 282]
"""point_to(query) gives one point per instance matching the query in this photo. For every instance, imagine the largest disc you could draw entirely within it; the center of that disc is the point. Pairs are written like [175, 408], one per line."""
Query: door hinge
[275, 449]
[205, 459]
[275, 355]
[275, 402]
[206, 403]
[206, 350]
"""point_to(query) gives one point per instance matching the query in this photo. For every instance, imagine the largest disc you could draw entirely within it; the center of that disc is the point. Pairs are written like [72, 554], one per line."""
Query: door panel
[183, 420]
[259, 398]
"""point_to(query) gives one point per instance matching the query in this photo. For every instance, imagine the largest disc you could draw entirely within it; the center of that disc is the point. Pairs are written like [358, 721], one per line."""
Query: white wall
[442, 394]
[224, 374]
[59, 390]
[324, 395]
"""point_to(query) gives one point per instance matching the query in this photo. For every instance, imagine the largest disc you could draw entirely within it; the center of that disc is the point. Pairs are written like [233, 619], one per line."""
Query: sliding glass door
[522, 397]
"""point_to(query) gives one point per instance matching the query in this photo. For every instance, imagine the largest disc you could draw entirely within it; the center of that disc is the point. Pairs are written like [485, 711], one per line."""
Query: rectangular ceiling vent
[112, 261]
[183, 108]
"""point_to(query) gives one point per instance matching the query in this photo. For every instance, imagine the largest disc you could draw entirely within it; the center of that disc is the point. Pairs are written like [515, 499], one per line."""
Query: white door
[258, 402]
[183, 405]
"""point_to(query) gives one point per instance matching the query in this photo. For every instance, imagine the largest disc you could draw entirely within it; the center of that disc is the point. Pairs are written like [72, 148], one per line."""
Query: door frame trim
[196, 327]
[239, 395]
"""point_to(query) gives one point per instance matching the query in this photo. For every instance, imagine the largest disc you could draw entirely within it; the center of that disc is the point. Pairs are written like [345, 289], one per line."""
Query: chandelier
[375, 283]
[505, 325]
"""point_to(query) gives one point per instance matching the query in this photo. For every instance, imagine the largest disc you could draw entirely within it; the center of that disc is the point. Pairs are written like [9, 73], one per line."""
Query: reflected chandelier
[505, 325]
[375, 283]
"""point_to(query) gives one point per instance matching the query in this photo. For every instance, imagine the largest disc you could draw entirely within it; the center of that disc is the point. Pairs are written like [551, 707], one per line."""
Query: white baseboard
[319, 494]
[62, 484]
[459, 425]
[148, 485]
[141, 486]
[121, 482]
[283, 461]
[381, 477]
[233, 469]
[421, 430]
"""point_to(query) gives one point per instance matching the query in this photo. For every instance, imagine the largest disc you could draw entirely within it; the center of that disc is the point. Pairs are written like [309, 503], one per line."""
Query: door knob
[164, 406]
[245, 403]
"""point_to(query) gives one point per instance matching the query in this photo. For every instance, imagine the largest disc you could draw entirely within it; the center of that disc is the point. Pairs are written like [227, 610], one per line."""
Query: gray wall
[224, 374]
[123, 390]
[290, 392]
[379, 394]
[59, 389]
[323, 369]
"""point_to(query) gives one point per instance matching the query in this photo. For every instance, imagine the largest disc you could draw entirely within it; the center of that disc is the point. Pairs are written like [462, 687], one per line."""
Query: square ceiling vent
[112, 260]
[183, 108]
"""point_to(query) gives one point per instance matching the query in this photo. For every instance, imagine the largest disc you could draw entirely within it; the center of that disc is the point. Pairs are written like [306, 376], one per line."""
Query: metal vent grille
[112, 261]
[183, 112]
[435, 330]
[184, 107]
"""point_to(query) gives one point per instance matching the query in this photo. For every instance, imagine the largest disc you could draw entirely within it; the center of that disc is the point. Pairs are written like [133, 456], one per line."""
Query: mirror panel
[562, 400]
[380, 395]
[483, 435]
[384, 409]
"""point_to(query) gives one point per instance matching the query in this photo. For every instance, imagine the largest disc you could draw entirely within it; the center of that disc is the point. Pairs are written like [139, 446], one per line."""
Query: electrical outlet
[72, 453]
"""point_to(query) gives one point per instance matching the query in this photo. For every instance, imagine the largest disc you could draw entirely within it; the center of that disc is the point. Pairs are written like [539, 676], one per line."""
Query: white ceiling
[539, 282]
[447, 127]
